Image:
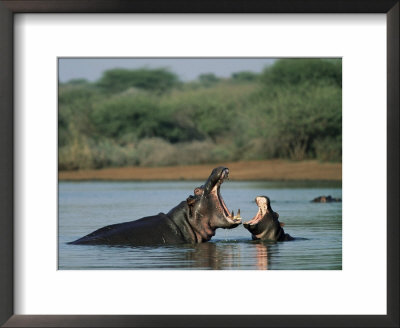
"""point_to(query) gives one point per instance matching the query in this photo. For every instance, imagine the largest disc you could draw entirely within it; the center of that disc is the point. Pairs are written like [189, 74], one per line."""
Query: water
[87, 206]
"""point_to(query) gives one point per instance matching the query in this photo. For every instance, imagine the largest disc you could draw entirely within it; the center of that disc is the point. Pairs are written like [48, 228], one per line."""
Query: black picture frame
[10, 7]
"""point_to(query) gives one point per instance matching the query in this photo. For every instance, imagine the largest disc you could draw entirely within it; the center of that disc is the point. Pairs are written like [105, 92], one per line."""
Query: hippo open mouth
[234, 220]
[262, 210]
[265, 224]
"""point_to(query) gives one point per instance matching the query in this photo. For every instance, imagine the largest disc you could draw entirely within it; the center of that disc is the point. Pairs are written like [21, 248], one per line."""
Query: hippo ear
[190, 200]
[282, 224]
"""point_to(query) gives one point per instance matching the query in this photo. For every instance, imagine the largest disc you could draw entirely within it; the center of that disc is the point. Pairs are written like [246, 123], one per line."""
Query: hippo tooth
[233, 214]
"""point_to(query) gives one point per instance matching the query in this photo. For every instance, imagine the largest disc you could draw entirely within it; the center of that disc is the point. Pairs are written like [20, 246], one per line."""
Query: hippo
[192, 221]
[265, 225]
[326, 199]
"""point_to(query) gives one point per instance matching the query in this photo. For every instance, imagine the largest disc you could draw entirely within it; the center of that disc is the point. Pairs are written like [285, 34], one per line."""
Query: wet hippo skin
[192, 221]
[326, 199]
[265, 225]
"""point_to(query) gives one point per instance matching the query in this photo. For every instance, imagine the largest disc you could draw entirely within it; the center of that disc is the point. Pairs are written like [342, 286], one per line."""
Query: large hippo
[192, 221]
[265, 225]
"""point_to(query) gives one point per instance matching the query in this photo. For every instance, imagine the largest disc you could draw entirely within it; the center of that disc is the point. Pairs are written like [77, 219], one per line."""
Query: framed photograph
[170, 140]
[342, 270]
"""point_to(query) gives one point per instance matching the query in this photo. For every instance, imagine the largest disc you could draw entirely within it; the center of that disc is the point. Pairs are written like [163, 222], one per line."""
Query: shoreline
[265, 170]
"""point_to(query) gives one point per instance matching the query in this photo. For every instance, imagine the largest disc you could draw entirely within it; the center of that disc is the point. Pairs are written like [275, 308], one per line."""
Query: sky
[187, 69]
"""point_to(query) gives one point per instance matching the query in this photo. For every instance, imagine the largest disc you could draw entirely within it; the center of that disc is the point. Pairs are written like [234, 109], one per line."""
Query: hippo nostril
[225, 174]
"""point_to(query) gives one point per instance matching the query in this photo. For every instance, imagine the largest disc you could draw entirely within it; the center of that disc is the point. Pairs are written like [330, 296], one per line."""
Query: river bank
[239, 171]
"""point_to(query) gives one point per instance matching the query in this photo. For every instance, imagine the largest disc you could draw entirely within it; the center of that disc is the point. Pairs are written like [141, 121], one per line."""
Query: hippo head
[208, 210]
[265, 224]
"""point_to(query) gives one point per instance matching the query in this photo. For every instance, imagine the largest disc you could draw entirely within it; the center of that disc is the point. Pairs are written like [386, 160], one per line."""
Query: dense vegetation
[291, 110]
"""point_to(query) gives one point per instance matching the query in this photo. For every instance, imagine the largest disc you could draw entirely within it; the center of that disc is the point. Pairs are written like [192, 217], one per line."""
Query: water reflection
[212, 256]
[261, 256]
[222, 256]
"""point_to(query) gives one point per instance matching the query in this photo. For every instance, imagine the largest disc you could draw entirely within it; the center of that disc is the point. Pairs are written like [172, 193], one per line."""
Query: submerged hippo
[192, 221]
[265, 225]
[326, 199]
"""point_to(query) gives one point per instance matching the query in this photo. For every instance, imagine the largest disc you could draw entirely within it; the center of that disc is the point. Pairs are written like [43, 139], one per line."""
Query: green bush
[293, 110]
[140, 116]
[75, 103]
[209, 112]
[120, 115]
[297, 116]
[329, 149]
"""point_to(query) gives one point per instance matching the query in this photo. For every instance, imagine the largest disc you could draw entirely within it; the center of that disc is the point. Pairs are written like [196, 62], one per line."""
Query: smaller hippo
[326, 199]
[265, 225]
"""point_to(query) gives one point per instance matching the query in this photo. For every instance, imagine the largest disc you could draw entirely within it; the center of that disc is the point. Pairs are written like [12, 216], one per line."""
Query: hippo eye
[198, 191]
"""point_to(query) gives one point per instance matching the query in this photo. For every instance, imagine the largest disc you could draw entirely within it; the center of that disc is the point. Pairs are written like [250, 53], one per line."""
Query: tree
[208, 79]
[118, 80]
[244, 76]
[304, 70]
